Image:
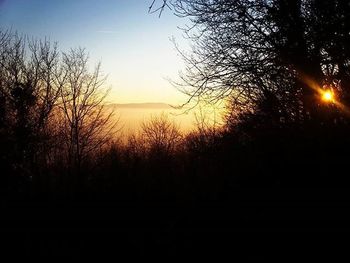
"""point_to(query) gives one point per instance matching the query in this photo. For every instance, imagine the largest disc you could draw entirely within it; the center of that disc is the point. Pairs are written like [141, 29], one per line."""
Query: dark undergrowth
[279, 194]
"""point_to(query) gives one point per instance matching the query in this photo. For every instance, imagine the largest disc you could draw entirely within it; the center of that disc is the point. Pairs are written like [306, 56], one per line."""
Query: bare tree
[87, 125]
[249, 51]
[51, 106]
[160, 134]
[29, 92]
[46, 72]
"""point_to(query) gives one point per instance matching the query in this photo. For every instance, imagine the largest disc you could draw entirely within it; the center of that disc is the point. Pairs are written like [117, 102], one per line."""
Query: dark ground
[260, 224]
[278, 198]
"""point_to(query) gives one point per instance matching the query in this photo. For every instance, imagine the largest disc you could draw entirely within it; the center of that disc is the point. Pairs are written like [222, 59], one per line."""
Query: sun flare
[328, 96]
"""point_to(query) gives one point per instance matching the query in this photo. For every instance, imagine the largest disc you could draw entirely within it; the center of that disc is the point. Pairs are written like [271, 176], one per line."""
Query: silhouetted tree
[267, 50]
[29, 92]
[161, 135]
[86, 124]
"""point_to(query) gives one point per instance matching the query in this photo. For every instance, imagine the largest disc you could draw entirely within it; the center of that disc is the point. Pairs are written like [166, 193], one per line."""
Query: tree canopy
[276, 53]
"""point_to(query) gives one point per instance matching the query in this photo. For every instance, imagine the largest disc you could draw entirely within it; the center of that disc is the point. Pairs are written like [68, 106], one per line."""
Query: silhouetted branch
[153, 9]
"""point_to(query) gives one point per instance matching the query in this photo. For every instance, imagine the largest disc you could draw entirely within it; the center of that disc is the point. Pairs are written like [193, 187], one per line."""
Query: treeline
[70, 187]
[215, 165]
[58, 139]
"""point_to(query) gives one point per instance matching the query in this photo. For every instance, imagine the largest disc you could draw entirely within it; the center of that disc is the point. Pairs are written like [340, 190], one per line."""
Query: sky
[133, 45]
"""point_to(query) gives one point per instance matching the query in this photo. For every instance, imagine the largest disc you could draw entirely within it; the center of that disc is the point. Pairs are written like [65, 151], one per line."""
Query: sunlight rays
[325, 94]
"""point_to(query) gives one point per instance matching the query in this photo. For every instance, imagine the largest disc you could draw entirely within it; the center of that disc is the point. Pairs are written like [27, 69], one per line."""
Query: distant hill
[150, 105]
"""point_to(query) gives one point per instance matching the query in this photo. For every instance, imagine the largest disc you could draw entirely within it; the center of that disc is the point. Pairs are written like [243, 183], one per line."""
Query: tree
[51, 106]
[86, 124]
[283, 51]
[28, 94]
[161, 136]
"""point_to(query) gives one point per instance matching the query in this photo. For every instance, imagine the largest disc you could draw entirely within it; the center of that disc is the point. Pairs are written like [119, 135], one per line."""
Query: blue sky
[133, 46]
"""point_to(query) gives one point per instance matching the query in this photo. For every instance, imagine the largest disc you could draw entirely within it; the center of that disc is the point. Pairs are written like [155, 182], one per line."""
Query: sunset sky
[133, 46]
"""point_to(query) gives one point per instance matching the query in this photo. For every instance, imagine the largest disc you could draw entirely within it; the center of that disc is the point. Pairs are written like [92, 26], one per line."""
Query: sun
[328, 96]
